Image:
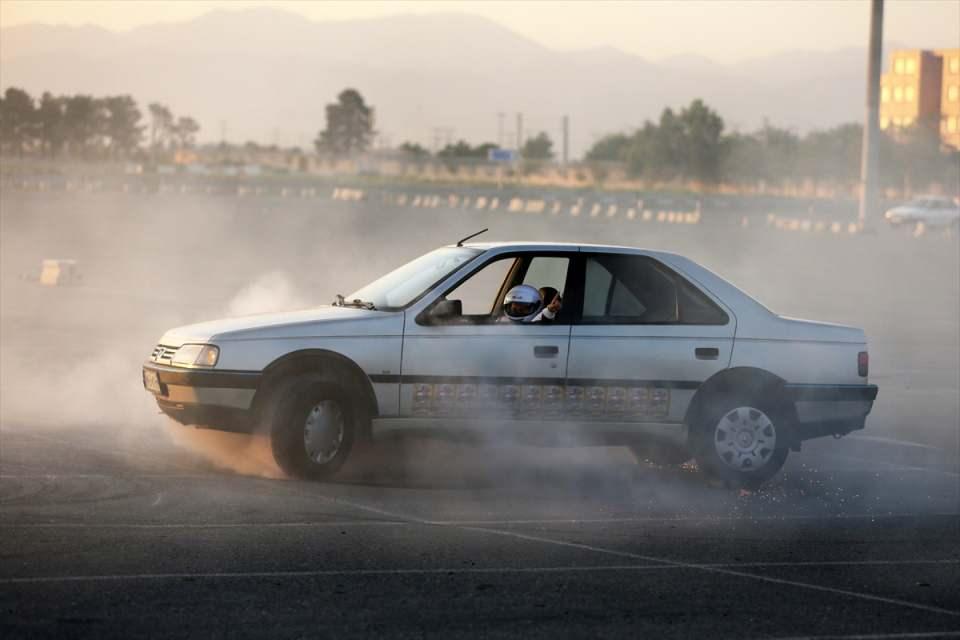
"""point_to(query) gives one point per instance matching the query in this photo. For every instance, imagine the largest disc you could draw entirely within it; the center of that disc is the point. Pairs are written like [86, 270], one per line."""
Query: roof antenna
[472, 235]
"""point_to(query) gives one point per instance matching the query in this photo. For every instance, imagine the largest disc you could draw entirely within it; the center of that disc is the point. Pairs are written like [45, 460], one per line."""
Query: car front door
[476, 363]
[644, 339]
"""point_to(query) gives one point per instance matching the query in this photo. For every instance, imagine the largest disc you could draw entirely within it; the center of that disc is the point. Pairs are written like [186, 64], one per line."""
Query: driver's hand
[554, 305]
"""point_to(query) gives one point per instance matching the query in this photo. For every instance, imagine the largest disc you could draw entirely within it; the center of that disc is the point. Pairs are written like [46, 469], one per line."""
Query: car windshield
[405, 284]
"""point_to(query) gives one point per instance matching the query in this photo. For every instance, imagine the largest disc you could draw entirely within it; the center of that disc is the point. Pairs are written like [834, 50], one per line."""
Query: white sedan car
[932, 211]
[647, 350]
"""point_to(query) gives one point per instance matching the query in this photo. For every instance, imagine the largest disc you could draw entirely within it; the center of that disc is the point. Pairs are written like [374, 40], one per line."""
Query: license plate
[151, 380]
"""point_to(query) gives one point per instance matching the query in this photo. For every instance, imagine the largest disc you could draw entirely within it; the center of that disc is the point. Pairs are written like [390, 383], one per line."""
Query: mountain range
[266, 75]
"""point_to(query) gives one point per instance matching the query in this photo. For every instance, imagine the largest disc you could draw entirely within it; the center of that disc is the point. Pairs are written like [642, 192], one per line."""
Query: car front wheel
[313, 429]
[741, 442]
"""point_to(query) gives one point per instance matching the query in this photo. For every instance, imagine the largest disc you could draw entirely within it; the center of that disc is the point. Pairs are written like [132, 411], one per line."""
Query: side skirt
[529, 432]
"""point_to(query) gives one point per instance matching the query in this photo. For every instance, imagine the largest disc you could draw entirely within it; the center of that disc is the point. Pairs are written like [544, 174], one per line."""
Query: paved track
[107, 541]
[113, 523]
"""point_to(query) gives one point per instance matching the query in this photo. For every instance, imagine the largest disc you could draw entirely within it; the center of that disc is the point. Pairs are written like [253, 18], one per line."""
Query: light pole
[870, 158]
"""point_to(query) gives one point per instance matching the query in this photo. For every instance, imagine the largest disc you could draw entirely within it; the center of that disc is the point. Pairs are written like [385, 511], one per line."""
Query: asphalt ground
[101, 540]
[115, 523]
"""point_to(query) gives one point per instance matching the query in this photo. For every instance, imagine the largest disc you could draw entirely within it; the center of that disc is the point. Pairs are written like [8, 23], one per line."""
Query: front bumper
[204, 397]
[824, 410]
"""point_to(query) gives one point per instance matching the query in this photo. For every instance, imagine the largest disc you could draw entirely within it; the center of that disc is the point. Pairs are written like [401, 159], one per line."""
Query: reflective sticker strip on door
[517, 400]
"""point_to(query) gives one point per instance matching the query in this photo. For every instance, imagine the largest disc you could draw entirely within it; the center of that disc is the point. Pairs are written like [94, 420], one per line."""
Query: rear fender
[748, 381]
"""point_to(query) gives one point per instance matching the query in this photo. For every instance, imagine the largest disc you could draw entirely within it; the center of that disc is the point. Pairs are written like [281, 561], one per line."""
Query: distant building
[923, 87]
[950, 98]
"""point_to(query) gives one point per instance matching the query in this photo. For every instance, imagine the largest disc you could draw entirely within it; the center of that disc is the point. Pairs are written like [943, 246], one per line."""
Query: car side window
[596, 289]
[547, 271]
[624, 289]
[478, 293]
[623, 303]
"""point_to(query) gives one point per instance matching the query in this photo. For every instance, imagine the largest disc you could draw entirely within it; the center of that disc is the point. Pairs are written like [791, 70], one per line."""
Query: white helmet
[521, 303]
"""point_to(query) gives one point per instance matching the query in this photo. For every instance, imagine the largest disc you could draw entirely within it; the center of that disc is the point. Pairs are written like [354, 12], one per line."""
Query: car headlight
[196, 355]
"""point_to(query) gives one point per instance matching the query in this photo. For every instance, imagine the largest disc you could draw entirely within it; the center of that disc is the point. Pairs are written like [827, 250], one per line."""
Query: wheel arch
[747, 380]
[340, 370]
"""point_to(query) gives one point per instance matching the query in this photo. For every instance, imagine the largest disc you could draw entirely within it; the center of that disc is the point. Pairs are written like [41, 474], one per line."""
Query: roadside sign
[501, 155]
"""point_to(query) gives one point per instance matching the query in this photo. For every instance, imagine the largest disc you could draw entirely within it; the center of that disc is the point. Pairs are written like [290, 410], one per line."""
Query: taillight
[863, 364]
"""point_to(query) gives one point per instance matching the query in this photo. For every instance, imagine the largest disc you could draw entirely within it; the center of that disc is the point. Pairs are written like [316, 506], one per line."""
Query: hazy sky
[722, 30]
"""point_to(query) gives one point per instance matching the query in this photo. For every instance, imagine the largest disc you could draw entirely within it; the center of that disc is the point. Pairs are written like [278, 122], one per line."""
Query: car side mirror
[446, 309]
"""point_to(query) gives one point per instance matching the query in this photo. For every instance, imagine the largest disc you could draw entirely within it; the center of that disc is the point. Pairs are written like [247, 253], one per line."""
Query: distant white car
[648, 350]
[932, 211]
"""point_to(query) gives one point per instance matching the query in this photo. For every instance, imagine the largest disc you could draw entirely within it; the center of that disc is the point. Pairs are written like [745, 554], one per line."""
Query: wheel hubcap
[323, 431]
[745, 439]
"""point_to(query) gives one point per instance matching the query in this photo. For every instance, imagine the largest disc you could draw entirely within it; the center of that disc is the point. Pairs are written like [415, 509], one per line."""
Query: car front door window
[479, 293]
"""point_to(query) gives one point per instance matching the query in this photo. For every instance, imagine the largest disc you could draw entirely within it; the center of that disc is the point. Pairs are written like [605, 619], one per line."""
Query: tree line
[89, 127]
[692, 145]
[689, 145]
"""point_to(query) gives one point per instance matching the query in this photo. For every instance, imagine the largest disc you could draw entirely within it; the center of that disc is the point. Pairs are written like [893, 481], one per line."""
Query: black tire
[740, 440]
[301, 443]
[664, 455]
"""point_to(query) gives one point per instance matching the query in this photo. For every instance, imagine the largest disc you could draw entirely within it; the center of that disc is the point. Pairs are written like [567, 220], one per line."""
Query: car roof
[560, 246]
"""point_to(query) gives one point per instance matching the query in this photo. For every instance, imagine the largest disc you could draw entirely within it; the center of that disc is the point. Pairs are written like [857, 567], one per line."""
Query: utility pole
[519, 132]
[442, 137]
[500, 116]
[870, 158]
[566, 139]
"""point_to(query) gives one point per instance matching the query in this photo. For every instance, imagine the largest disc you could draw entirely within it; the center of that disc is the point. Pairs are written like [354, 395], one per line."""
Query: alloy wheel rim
[745, 439]
[323, 431]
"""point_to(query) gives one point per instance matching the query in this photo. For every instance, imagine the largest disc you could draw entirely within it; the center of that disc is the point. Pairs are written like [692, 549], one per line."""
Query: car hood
[322, 321]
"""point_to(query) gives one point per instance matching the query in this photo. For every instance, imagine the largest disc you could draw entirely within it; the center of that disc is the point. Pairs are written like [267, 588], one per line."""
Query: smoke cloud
[270, 292]
[71, 356]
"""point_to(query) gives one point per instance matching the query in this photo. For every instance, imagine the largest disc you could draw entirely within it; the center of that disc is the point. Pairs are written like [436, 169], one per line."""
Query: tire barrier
[535, 206]
[619, 208]
[806, 225]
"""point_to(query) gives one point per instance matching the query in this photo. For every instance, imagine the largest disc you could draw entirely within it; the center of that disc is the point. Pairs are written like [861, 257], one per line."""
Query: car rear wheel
[313, 428]
[741, 441]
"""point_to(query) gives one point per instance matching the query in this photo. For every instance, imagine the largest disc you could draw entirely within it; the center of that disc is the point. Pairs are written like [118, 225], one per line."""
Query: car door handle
[707, 353]
[546, 351]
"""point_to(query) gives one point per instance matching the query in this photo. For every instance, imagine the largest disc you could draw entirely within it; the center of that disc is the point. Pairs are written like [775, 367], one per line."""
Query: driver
[524, 304]
[551, 297]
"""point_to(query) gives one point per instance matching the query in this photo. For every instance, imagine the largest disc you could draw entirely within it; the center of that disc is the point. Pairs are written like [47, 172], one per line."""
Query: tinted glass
[596, 289]
[621, 289]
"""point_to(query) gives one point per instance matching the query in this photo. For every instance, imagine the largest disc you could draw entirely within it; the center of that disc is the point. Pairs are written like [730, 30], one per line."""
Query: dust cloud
[71, 355]
[239, 453]
[268, 293]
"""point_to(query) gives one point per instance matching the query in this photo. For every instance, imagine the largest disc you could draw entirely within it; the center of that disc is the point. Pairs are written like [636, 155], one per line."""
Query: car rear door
[643, 340]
